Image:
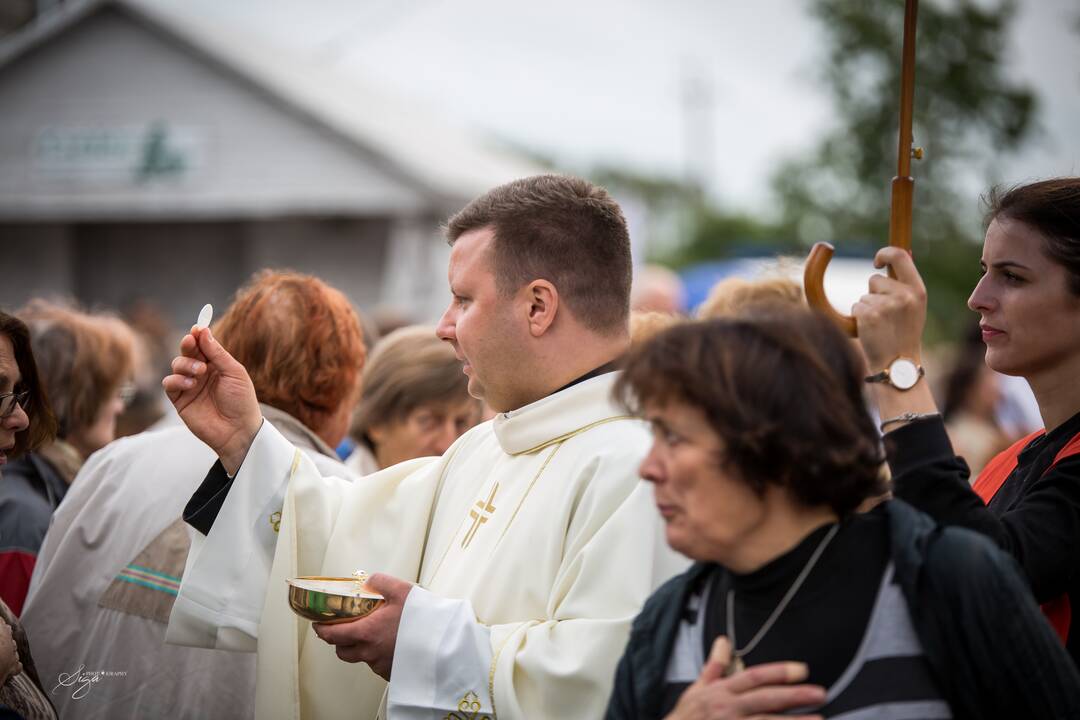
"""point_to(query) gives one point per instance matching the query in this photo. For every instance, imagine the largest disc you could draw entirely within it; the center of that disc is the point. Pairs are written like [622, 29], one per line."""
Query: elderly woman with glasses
[84, 362]
[762, 452]
[26, 423]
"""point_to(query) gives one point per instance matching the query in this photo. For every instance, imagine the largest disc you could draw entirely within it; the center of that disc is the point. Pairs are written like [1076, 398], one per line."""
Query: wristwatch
[902, 374]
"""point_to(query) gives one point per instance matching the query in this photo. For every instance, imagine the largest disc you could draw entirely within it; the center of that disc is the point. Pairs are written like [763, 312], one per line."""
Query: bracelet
[906, 418]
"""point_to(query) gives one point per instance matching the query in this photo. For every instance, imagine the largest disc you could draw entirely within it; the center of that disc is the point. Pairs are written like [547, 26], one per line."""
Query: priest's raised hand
[214, 396]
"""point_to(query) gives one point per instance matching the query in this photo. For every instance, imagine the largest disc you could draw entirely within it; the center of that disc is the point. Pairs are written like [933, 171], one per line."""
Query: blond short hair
[644, 325]
[733, 297]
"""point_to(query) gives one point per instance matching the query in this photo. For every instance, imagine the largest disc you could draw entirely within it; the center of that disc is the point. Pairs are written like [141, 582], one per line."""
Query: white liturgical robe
[532, 543]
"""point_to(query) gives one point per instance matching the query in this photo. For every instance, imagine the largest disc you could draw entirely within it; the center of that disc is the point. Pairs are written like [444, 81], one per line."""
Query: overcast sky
[602, 81]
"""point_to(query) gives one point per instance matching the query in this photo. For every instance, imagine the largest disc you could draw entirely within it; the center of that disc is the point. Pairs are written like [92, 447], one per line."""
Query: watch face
[903, 374]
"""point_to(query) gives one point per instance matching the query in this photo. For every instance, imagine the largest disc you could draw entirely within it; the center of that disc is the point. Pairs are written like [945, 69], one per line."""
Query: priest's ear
[543, 300]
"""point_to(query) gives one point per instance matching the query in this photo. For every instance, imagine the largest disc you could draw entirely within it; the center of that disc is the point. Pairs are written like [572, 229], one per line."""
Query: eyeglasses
[8, 400]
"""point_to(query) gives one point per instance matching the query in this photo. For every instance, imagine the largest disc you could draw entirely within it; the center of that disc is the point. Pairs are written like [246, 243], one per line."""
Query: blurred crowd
[95, 464]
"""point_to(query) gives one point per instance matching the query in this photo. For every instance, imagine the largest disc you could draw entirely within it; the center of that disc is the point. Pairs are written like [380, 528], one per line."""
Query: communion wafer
[205, 315]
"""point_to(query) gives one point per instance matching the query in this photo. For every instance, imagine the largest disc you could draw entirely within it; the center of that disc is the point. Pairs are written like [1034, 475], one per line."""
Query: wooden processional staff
[903, 187]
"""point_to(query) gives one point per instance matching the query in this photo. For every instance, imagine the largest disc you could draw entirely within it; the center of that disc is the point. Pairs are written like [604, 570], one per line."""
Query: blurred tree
[967, 112]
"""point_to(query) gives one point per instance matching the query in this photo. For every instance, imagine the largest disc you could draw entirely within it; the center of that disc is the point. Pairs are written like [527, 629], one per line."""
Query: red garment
[16, 567]
[1059, 610]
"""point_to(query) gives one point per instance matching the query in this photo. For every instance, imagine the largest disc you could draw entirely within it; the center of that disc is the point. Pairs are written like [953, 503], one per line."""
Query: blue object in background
[699, 279]
[345, 448]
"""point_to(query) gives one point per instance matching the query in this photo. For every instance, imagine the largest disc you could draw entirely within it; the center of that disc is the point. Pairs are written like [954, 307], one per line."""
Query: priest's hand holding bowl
[371, 639]
[214, 396]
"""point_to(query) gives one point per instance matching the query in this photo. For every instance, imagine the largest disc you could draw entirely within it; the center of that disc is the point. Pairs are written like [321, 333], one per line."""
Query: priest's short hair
[301, 342]
[565, 230]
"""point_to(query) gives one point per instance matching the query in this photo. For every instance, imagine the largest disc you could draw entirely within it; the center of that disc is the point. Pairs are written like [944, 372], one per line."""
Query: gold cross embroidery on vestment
[479, 515]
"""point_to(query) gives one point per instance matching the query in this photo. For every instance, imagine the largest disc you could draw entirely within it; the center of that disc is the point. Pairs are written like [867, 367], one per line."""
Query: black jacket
[992, 653]
[1034, 517]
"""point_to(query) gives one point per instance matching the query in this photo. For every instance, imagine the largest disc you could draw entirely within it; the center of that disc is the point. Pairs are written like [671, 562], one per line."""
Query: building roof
[447, 163]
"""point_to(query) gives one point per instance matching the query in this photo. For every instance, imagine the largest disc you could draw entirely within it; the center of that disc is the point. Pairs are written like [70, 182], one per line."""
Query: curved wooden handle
[903, 188]
[814, 286]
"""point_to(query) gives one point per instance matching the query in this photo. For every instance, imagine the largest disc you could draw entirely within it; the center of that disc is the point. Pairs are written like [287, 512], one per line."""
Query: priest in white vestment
[512, 565]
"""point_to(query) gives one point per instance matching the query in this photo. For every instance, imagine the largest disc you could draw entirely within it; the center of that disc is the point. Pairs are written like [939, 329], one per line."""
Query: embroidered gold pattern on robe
[479, 515]
[275, 520]
[469, 705]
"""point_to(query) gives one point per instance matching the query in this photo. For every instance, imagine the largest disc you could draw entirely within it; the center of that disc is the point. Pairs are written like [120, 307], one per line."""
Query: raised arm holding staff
[1027, 499]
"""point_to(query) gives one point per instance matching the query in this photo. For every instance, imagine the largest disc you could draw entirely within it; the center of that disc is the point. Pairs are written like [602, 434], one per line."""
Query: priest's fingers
[216, 356]
[356, 641]
[393, 589]
[189, 346]
[175, 387]
[349, 633]
[352, 653]
[188, 367]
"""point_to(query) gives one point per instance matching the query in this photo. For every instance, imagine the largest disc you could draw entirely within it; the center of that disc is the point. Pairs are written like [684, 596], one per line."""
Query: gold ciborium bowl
[331, 599]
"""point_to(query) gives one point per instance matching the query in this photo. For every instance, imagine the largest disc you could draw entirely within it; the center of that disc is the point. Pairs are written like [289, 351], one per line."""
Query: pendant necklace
[737, 664]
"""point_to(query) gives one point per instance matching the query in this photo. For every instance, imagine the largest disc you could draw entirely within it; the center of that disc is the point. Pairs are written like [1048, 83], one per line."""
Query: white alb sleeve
[224, 584]
[442, 661]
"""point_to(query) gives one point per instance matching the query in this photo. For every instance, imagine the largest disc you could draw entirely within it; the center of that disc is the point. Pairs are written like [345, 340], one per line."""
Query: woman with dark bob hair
[762, 450]
[1026, 499]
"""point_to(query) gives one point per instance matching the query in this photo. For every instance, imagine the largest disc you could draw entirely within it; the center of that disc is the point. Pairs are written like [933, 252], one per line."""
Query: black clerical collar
[596, 372]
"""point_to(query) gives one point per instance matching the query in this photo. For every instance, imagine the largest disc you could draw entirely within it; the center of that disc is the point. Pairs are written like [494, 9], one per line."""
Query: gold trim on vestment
[275, 517]
[491, 671]
[469, 704]
[572, 433]
[527, 491]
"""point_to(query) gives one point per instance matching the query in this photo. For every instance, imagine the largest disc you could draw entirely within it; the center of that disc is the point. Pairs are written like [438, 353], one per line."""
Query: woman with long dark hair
[1027, 499]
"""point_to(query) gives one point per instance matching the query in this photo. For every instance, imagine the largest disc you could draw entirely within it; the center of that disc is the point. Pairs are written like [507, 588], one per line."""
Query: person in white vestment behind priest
[112, 561]
[415, 401]
[513, 564]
